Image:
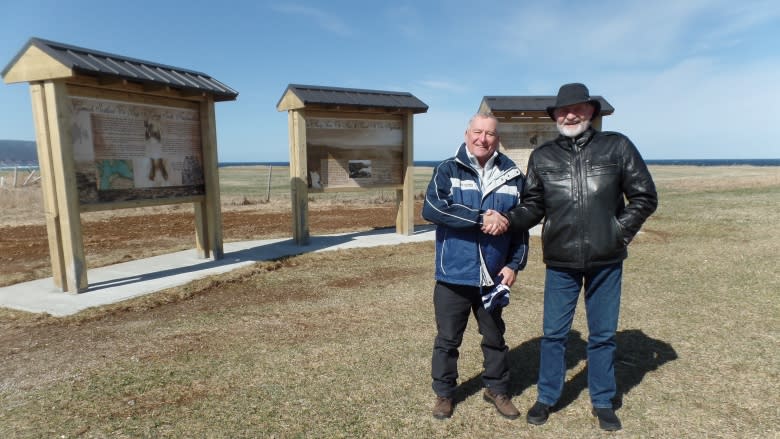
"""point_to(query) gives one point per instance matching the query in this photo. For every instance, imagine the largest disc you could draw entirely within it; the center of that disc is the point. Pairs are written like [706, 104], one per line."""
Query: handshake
[494, 223]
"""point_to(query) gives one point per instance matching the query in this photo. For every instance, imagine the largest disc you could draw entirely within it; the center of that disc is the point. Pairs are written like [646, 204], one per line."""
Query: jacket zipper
[579, 186]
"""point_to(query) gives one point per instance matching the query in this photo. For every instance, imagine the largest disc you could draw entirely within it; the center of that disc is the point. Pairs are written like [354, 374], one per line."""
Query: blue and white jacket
[455, 201]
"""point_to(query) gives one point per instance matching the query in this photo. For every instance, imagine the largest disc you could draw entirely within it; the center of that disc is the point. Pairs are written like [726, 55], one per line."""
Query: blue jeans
[602, 305]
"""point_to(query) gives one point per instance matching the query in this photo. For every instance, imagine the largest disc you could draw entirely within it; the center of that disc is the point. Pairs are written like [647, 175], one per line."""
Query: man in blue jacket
[478, 183]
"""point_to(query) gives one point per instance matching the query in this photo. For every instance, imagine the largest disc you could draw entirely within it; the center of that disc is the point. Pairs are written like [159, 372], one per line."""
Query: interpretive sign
[114, 132]
[346, 139]
[125, 151]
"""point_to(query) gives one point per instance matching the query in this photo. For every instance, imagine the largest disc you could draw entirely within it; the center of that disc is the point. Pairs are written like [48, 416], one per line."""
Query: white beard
[573, 130]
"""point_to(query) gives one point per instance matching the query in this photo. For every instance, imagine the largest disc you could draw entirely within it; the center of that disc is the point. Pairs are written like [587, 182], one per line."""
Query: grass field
[338, 344]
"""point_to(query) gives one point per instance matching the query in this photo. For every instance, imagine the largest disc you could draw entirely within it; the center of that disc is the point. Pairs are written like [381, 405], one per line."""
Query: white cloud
[443, 85]
[737, 17]
[625, 34]
[325, 20]
[406, 20]
[699, 108]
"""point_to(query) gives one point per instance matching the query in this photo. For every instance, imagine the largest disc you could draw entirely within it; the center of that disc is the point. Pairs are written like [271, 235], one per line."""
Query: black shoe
[608, 420]
[538, 414]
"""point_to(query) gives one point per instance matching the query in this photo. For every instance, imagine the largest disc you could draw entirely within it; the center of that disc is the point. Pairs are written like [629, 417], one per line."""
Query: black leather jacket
[578, 187]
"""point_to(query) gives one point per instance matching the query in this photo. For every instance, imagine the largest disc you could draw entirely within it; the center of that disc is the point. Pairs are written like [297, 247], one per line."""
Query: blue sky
[695, 79]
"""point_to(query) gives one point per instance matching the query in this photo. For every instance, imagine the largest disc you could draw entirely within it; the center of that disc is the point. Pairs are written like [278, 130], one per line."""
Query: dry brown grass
[21, 205]
[338, 344]
[706, 178]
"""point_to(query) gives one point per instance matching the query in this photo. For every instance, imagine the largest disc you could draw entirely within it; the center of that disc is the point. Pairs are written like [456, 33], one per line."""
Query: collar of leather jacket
[579, 142]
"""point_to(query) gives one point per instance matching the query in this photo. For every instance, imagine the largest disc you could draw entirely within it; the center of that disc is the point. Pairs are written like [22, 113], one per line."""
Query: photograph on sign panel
[360, 169]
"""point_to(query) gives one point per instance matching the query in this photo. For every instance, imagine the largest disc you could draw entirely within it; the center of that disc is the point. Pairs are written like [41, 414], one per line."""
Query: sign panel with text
[353, 152]
[127, 151]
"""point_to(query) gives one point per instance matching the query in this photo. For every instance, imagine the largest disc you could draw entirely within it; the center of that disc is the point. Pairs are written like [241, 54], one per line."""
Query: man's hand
[493, 223]
[508, 276]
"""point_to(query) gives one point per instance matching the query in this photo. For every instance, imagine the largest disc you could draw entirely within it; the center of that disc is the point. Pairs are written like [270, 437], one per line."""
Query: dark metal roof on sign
[352, 97]
[95, 63]
[532, 103]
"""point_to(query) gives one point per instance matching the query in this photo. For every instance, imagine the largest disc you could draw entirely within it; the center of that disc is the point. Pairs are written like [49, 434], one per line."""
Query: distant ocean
[681, 162]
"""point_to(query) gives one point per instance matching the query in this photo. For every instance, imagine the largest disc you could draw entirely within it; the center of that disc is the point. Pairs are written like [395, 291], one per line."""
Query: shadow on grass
[637, 355]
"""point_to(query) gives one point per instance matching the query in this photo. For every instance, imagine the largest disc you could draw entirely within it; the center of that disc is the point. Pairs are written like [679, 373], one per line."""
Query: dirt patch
[24, 249]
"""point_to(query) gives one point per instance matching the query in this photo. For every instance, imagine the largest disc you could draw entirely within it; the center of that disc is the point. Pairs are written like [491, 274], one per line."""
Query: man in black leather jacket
[579, 183]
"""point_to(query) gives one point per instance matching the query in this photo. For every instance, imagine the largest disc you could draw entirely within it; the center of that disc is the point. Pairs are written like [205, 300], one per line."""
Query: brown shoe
[442, 408]
[503, 404]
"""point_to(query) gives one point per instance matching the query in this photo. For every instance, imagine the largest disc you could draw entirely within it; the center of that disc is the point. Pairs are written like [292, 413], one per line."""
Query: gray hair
[481, 115]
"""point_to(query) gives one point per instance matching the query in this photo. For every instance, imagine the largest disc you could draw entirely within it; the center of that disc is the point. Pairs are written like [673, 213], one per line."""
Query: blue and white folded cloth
[495, 297]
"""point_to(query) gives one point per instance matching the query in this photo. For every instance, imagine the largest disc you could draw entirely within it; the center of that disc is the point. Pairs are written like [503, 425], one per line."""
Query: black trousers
[452, 305]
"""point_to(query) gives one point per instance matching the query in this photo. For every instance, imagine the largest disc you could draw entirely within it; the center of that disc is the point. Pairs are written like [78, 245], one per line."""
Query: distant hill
[18, 153]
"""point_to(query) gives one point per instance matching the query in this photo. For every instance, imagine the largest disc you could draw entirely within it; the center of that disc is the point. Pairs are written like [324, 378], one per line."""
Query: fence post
[16, 171]
[268, 190]
[29, 177]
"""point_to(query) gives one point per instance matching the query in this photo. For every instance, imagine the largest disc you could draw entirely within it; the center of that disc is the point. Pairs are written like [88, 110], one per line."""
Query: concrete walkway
[114, 283]
[126, 280]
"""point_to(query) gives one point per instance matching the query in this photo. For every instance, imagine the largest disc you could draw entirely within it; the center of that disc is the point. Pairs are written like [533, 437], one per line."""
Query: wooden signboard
[115, 132]
[350, 139]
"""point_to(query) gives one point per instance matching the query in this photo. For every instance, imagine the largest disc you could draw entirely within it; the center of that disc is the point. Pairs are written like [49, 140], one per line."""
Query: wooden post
[404, 223]
[43, 143]
[202, 244]
[596, 122]
[298, 177]
[208, 213]
[268, 188]
[58, 114]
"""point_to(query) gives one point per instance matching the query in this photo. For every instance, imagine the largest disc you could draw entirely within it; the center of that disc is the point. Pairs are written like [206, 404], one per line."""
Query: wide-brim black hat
[572, 94]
